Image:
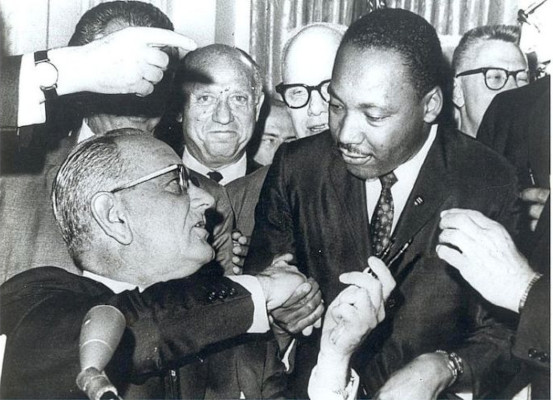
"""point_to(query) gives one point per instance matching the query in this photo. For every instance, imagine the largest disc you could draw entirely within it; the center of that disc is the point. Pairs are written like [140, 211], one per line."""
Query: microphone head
[101, 331]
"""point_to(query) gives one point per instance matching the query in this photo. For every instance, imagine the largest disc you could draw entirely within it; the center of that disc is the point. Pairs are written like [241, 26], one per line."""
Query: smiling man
[222, 93]
[374, 185]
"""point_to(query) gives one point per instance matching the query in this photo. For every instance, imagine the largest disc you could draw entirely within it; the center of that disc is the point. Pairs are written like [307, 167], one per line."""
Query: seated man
[135, 225]
[484, 62]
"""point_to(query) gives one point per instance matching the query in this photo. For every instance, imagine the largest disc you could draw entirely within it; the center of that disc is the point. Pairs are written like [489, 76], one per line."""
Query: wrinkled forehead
[219, 72]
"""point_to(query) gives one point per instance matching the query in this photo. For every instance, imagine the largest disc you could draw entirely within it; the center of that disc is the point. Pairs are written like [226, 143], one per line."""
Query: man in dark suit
[135, 224]
[321, 191]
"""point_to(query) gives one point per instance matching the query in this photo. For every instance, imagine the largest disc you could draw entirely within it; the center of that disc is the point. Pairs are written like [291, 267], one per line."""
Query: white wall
[30, 25]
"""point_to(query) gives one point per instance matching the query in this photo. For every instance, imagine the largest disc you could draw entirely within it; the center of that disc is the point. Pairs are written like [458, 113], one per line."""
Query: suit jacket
[9, 91]
[169, 325]
[244, 194]
[312, 207]
[517, 125]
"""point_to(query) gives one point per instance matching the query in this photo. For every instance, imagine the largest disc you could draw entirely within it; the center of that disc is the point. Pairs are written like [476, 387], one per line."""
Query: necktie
[383, 216]
[216, 176]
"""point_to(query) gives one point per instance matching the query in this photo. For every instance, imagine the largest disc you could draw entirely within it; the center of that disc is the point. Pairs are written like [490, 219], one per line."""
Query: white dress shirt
[31, 108]
[230, 172]
[406, 174]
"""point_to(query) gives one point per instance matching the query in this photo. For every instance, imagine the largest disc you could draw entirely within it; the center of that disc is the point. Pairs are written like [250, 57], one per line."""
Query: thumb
[384, 276]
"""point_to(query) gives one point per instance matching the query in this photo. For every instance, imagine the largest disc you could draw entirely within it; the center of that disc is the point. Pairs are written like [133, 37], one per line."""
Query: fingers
[535, 195]
[158, 37]
[156, 57]
[143, 88]
[535, 211]
[287, 257]
[469, 220]
[451, 256]
[153, 75]
[384, 276]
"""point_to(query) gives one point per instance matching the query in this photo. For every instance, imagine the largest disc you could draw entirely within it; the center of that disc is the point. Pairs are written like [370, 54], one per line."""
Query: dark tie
[383, 216]
[216, 176]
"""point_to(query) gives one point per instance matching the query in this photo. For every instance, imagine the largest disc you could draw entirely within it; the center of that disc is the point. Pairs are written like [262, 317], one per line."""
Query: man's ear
[458, 94]
[433, 103]
[259, 105]
[111, 217]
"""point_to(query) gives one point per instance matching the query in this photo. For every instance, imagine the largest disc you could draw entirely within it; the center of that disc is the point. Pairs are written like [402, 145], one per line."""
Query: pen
[401, 251]
[531, 174]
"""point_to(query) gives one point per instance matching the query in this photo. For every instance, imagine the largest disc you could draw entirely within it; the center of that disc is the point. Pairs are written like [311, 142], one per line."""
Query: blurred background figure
[276, 129]
[487, 61]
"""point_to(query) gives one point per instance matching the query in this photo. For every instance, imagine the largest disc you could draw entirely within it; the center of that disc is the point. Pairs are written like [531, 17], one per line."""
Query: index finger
[536, 194]
[157, 37]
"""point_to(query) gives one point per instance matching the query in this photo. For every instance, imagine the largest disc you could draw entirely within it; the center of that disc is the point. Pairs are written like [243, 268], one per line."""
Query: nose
[223, 113]
[316, 105]
[348, 129]
[199, 198]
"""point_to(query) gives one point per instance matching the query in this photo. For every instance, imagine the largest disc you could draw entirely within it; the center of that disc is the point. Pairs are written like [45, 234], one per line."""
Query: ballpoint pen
[392, 259]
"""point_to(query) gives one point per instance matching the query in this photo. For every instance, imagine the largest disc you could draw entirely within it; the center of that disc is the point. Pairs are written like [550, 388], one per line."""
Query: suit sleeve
[532, 344]
[9, 90]
[273, 233]
[167, 325]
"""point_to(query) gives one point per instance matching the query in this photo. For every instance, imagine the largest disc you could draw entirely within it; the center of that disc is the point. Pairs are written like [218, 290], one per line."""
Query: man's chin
[362, 171]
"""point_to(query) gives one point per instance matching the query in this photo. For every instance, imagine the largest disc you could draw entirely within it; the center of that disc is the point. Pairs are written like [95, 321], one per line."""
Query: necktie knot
[388, 180]
[215, 175]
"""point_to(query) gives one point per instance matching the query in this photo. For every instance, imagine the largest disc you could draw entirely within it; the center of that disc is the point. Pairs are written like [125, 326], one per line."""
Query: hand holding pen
[388, 260]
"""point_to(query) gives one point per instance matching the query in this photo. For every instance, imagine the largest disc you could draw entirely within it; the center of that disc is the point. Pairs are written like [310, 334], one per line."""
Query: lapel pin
[418, 201]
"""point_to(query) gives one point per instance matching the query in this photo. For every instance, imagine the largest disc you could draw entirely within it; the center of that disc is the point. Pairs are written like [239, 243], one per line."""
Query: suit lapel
[351, 198]
[430, 191]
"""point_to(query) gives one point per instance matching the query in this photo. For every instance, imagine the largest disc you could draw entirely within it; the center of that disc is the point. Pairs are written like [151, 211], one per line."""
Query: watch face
[47, 74]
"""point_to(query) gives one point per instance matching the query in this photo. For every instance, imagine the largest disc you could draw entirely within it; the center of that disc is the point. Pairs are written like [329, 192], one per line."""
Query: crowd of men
[347, 238]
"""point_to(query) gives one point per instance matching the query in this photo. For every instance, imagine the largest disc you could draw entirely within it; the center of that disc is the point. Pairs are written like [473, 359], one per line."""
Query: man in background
[221, 93]
[307, 59]
[486, 62]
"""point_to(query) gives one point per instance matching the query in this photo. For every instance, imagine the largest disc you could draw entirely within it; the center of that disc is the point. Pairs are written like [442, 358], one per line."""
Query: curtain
[271, 20]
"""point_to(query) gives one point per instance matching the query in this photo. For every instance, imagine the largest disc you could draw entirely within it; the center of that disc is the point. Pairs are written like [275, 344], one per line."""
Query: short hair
[505, 33]
[93, 166]
[337, 28]
[407, 34]
[188, 69]
[91, 27]
[132, 13]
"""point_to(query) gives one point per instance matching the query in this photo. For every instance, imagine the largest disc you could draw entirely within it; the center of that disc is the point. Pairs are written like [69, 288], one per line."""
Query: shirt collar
[230, 172]
[115, 286]
[84, 132]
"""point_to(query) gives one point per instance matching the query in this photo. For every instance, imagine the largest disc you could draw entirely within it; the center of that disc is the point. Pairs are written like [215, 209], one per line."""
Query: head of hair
[338, 29]
[93, 166]
[505, 33]
[408, 35]
[91, 27]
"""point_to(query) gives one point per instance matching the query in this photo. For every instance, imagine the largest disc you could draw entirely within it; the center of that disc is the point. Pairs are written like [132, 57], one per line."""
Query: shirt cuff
[31, 108]
[260, 322]
[321, 390]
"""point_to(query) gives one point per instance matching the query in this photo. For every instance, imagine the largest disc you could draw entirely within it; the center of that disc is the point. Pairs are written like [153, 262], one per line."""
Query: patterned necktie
[383, 216]
[216, 176]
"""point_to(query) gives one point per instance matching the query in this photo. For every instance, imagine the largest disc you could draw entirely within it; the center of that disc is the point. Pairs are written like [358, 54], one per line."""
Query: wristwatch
[47, 75]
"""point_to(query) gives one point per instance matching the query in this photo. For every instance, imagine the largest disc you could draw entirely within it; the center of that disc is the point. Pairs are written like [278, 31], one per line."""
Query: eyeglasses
[184, 178]
[297, 95]
[496, 78]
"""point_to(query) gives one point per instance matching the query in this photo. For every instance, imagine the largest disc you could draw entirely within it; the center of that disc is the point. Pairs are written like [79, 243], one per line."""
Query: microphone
[101, 332]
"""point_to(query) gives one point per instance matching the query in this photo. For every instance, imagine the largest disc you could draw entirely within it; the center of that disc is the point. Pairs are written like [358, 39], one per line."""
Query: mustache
[351, 148]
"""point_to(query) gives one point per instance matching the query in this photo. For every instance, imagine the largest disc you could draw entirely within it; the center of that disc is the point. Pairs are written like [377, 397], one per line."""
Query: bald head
[307, 59]
[222, 96]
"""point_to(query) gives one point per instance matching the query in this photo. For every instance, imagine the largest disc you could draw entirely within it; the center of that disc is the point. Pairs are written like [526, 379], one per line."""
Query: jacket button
[544, 357]
[532, 353]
